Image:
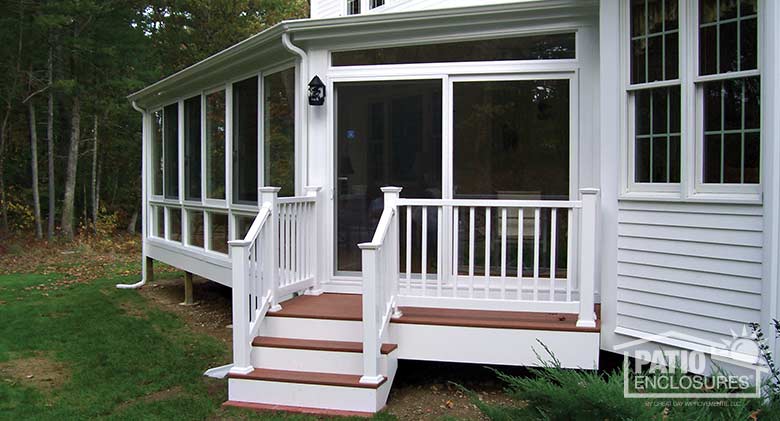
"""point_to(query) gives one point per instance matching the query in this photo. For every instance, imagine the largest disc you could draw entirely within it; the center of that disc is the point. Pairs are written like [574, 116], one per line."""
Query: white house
[462, 180]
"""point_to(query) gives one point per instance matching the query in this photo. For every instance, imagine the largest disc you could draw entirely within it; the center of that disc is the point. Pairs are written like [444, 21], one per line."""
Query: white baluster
[553, 243]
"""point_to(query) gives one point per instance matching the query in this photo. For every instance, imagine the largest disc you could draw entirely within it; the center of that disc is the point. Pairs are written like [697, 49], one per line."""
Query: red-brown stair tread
[316, 345]
[306, 377]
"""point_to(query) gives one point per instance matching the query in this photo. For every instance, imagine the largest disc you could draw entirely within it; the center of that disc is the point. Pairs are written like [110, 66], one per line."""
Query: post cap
[312, 188]
[589, 190]
[269, 189]
[391, 189]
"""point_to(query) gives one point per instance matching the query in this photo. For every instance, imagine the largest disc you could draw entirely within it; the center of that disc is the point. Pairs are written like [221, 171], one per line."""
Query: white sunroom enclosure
[530, 156]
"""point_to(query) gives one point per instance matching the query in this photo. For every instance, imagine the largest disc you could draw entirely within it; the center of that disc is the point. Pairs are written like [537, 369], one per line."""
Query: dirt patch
[39, 372]
[133, 311]
[160, 395]
[211, 315]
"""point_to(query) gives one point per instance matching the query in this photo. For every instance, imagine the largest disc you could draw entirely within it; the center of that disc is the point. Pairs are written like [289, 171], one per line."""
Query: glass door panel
[387, 133]
[511, 140]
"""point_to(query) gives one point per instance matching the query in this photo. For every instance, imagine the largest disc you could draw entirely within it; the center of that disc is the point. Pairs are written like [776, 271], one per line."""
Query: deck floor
[349, 307]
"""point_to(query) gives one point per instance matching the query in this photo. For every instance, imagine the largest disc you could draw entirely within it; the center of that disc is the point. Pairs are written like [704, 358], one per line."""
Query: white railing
[297, 242]
[498, 254]
[380, 267]
[283, 233]
[512, 255]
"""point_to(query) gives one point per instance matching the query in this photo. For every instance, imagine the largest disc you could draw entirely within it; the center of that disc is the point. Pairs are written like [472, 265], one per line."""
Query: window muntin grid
[353, 7]
[732, 131]
[657, 135]
[654, 40]
[372, 4]
[728, 36]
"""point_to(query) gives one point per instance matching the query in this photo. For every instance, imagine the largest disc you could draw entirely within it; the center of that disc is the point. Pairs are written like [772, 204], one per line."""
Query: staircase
[309, 359]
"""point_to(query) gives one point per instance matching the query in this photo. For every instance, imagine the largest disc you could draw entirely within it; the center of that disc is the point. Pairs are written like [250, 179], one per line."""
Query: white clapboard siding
[693, 268]
[327, 8]
[334, 8]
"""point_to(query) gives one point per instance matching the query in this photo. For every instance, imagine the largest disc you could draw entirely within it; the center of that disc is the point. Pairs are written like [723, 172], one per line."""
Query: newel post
[370, 316]
[314, 246]
[241, 345]
[588, 244]
[270, 248]
[392, 194]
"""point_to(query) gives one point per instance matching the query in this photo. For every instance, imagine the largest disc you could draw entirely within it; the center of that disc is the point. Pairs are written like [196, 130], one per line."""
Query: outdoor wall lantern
[316, 91]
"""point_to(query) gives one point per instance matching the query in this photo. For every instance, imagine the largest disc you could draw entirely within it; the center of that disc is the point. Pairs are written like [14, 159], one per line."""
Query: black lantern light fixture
[316, 91]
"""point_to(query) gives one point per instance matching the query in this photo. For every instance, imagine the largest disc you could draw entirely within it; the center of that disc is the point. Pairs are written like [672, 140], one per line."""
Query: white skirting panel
[494, 346]
[208, 267]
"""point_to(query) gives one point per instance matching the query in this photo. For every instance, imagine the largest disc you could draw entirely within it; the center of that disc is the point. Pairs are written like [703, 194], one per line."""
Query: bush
[554, 393]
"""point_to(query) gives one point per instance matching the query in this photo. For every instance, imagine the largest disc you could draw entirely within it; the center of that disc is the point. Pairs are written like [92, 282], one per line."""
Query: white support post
[314, 191]
[270, 248]
[588, 243]
[392, 194]
[370, 320]
[241, 343]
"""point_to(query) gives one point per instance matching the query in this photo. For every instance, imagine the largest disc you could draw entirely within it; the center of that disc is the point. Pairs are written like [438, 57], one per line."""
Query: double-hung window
[693, 91]
[654, 95]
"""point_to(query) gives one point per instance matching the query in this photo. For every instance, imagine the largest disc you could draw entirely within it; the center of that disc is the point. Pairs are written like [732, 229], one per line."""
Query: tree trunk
[94, 174]
[133, 223]
[3, 203]
[34, 169]
[50, 144]
[70, 173]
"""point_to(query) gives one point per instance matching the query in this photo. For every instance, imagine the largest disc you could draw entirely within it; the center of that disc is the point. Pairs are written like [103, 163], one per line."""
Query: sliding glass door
[509, 138]
[388, 134]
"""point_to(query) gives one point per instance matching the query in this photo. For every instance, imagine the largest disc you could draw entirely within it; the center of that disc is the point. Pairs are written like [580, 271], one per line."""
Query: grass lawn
[71, 349]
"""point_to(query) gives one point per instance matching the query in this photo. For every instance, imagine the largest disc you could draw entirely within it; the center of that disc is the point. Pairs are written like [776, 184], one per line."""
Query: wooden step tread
[306, 377]
[316, 345]
[493, 319]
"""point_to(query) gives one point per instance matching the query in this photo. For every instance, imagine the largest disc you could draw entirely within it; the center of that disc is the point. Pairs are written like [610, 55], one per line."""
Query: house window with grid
[654, 91]
[353, 7]
[728, 86]
[373, 4]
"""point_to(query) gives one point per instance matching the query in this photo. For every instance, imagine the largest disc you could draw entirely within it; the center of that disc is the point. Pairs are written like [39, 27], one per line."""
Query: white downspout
[304, 109]
[142, 282]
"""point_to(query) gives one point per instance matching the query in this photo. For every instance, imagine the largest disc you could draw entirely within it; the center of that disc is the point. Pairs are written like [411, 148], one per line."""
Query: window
[245, 139]
[174, 224]
[730, 107]
[171, 151]
[192, 142]
[218, 232]
[158, 222]
[373, 4]
[724, 80]
[243, 223]
[656, 111]
[353, 7]
[279, 133]
[215, 145]
[195, 228]
[156, 151]
[539, 47]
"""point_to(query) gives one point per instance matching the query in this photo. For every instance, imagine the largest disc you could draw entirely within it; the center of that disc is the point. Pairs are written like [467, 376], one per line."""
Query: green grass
[121, 354]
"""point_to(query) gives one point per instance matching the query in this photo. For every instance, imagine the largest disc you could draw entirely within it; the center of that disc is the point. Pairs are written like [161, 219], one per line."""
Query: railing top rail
[254, 230]
[296, 199]
[381, 230]
[492, 203]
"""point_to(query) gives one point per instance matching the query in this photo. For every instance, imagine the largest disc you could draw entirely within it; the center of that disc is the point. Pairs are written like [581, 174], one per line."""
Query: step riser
[319, 329]
[307, 395]
[311, 360]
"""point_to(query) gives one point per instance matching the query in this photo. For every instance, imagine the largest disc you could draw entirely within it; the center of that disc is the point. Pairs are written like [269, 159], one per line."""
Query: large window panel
[245, 140]
[171, 151]
[218, 232]
[511, 139]
[215, 145]
[157, 153]
[279, 131]
[192, 155]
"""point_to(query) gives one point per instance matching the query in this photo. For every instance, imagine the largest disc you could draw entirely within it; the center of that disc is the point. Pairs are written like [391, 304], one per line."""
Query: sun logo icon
[743, 346]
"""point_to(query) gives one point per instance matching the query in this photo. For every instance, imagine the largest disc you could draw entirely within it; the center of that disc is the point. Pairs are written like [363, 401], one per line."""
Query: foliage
[551, 392]
[103, 50]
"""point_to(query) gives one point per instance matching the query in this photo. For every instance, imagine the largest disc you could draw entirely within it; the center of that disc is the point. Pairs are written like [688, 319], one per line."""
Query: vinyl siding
[689, 267]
